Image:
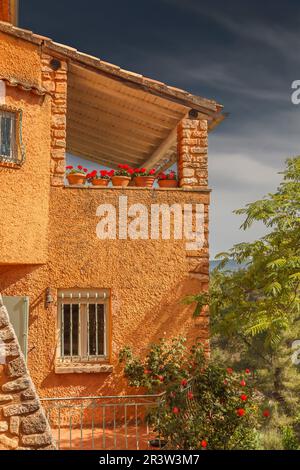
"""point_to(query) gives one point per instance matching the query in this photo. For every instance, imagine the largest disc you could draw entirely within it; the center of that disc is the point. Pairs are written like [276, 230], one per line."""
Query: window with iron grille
[83, 324]
[11, 149]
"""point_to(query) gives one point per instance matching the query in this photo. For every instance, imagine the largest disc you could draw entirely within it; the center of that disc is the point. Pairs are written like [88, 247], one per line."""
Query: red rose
[80, 167]
[247, 371]
[266, 413]
[190, 395]
[204, 443]
[176, 410]
[243, 397]
[243, 383]
[229, 370]
[241, 412]
[184, 382]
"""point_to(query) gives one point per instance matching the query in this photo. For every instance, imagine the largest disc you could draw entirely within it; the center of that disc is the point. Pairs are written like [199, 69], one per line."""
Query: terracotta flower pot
[144, 181]
[120, 181]
[167, 183]
[76, 178]
[100, 182]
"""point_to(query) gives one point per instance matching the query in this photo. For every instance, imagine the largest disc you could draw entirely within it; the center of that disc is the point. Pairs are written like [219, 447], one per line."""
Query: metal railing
[108, 422]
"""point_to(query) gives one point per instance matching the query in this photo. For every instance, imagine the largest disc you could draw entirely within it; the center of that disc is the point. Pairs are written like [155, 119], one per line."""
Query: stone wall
[192, 141]
[54, 80]
[23, 424]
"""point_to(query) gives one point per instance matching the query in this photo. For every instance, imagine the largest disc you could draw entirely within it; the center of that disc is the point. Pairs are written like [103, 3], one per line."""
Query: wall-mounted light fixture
[49, 298]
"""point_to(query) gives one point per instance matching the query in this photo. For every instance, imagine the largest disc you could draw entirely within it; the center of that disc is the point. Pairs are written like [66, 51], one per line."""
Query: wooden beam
[118, 112]
[99, 89]
[114, 121]
[123, 139]
[162, 149]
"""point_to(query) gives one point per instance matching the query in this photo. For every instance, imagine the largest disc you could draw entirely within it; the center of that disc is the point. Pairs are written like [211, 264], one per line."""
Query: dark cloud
[243, 53]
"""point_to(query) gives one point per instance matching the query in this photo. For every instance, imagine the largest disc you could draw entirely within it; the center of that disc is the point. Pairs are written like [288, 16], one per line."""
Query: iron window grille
[83, 325]
[11, 146]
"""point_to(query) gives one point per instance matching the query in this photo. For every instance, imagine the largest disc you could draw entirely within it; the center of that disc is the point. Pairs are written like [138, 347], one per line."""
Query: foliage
[257, 307]
[289, 439]
[204, 405]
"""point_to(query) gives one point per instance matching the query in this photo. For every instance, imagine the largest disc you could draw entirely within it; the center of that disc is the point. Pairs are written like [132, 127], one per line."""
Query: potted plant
[144, 178]
[76, 176]
[167, 180]
[101, 179]
[122, 176]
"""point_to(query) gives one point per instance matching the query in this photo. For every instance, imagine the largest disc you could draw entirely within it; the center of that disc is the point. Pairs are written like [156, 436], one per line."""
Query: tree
[256, 307]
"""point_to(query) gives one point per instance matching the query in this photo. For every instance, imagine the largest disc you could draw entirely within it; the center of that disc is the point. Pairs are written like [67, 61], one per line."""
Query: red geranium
[80, 167]
[70, 167]
[241, 412]
[204, 443]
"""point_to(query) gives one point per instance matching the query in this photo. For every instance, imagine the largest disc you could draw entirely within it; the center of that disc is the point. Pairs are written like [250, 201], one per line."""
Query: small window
[11, 150]
[83, 324]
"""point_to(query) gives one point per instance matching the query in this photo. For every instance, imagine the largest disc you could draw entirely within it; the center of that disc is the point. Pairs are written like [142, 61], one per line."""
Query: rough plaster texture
[23, 424]
[148, 279]
[25, 208]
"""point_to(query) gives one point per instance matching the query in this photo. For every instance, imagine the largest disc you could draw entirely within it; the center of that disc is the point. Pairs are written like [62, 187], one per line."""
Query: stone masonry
[23, 423]
[192, 144]
[54, 80]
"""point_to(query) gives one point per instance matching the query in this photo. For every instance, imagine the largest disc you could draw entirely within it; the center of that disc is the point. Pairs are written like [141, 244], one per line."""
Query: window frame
[83, 298]
[18, 156]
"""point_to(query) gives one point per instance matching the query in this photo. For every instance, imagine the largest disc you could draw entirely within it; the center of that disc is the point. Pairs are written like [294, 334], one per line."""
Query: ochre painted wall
[24, 210]
[148, 280]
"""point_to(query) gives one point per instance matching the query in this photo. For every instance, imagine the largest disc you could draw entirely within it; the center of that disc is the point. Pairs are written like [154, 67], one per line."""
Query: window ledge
[82, 368]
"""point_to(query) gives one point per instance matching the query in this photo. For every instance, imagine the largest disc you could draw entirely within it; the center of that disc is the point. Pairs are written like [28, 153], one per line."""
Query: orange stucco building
[89, 297]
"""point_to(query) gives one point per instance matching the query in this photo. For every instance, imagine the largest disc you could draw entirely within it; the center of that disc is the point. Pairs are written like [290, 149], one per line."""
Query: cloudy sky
[244, 54]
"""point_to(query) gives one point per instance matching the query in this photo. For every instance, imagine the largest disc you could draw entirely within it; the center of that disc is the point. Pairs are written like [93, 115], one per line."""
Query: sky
[244, 54]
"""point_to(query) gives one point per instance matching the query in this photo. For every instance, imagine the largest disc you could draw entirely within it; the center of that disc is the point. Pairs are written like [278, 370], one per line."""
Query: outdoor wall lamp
[49, 298]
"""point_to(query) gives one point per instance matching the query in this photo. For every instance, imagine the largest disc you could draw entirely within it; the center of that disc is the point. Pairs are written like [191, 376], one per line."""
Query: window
[83, 324]
[11, 149]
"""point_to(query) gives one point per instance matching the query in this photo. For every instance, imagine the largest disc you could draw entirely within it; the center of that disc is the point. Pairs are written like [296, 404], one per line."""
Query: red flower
[152, 172]
[190, 395]
[225, 382]
[243, 383]
[243, 397]
[184, 382]
[103, 172]
[204, 443]
[147, 371]
[85, 170]
[229, 370]
[70, 167]
[130, 171]
[241, 412]
[111, 173]
[80, 167]
[161, 378]
[137, 170]
[266, 413]
[247, 371]
[162, 176]
[176, 410]
[143, 170]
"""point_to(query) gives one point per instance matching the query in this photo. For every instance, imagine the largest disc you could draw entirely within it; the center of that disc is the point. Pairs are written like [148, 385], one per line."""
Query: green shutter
[18, 310]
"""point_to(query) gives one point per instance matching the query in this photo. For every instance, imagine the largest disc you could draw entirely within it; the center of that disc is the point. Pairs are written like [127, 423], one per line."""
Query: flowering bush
[204, 406]
[70, 170]
[167, 176]
[103, 174]
[144, 172]
[123, 170]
